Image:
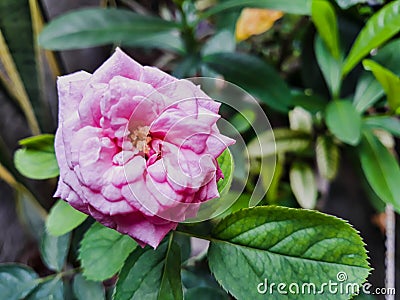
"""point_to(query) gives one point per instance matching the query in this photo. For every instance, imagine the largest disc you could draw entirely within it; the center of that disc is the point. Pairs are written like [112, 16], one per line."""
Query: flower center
[140, 139]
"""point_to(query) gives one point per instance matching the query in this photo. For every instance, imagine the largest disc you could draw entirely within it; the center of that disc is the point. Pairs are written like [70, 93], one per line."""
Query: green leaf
[97, 26]
[381, 169]
[54, 250]
[331, 68]
[324, 18]
[300, 7]
[390, 124]
[226, 164]
[243, 120]
[380, 27]
[151, 274]
[37, 159]
[280, 140]
[16, 281]
[283, 245]
[86, 289]
[368, 92]
[389, 81]
[242, 201]
[344, 121]
[303, 184]
[103, 252]
[327, 156]
[36, 164]
[206, 293]
[52, 289]
[272, 185]
[44, 142]
[311, 103]
[255, 76]
[63, 218]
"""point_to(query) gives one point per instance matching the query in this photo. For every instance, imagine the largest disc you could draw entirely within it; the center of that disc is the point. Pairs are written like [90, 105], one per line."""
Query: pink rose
[136, 147]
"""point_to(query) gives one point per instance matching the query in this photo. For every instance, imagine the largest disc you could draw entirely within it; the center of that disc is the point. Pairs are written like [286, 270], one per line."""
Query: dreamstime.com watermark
[340, 286]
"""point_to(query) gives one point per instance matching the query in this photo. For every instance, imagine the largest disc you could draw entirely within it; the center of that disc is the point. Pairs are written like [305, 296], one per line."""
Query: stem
[188, 33]
[390, 281]
[7, 176]
[61, 274]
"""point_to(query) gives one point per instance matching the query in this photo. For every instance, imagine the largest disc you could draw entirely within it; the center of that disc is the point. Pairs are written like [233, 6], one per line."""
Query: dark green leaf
[97, 26]
[327, 156]
[16, 26]
[255, 76]
[193, 277]
[30, 213]
[324, 18]
[103, 252]
[344, 121]
[53, 289]
[171, 284]
[368, 92]
[381, 169]
[183, 241]
[303, 184]
[206, 293]
[63, 218]
[312, 103]
[54, 250]
[87, 290]
[151, 274]
[284, 245]
[389, 81]
[37, 159]
[388, 56]
[330, 67]
[16, 281]
[280, 140]
[301, 7]
[380, 27]
[390, 124]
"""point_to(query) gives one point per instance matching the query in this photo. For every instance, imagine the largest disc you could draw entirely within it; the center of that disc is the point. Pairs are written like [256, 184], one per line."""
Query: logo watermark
[339, 286]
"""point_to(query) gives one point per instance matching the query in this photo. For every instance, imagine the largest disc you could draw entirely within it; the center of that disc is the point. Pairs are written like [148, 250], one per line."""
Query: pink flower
[136, 147]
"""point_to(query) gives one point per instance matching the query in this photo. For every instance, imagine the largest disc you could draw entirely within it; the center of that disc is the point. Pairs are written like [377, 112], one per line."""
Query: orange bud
[254, 21]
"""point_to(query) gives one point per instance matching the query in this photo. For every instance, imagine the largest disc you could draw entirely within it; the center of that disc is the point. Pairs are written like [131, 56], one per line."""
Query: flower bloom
[136, 147]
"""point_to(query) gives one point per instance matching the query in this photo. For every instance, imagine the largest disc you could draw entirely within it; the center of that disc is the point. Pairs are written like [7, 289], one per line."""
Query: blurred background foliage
[325, 72]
